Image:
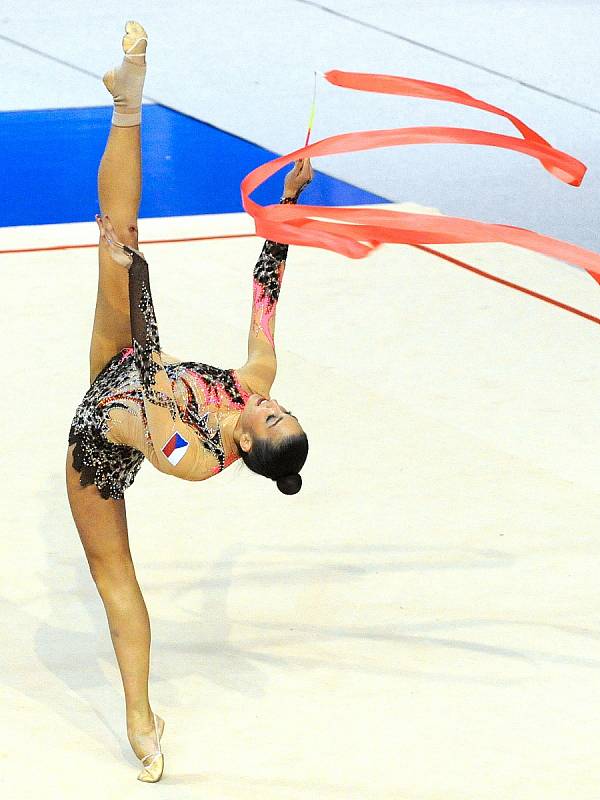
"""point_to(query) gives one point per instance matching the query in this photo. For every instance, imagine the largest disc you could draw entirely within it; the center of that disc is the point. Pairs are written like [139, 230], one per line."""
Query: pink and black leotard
[145, 404]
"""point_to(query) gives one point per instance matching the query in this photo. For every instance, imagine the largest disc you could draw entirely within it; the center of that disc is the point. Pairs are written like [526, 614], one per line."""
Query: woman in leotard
[191, 420]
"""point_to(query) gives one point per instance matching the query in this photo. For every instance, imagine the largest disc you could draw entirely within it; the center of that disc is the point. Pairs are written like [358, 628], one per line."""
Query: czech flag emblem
[175, 448]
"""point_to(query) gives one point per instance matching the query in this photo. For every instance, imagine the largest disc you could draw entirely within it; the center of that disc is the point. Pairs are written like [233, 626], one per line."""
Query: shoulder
[256, 376]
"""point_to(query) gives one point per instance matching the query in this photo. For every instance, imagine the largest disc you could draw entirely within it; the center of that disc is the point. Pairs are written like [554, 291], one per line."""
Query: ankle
[139, 60]
[139, 719]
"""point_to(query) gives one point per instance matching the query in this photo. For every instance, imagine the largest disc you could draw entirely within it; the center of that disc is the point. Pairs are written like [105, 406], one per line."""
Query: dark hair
[281, 461]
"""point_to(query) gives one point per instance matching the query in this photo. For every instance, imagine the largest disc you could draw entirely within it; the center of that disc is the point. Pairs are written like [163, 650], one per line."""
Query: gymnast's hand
[297, 178]
[118, 252]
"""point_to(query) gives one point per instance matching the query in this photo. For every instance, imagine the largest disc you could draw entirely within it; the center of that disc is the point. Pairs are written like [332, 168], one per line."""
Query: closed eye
[272, 416]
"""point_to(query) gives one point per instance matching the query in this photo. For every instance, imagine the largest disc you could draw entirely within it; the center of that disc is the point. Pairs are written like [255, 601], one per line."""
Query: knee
[111, 576]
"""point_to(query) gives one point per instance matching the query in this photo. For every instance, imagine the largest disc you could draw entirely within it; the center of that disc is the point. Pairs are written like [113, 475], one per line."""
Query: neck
[231, 431]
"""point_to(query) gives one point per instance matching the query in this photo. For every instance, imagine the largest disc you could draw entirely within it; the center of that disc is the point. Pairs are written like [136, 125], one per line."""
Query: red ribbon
[355, 232]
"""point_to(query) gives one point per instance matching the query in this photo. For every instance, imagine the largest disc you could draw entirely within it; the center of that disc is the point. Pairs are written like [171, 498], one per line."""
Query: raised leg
[119, 187]
[119, 191]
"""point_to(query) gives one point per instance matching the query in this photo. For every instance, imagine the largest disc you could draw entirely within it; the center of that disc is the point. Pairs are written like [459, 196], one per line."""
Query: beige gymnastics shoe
[154, 763]
[126, 82]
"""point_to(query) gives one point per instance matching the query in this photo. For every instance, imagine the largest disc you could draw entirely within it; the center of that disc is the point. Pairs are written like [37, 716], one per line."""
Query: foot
[141, 733]
[126, 82]
[134, 43]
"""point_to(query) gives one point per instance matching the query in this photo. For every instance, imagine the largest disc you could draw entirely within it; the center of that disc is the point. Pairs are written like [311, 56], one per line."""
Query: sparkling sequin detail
[218, 387]
[113, 467]
[267, 275]
[145, 335]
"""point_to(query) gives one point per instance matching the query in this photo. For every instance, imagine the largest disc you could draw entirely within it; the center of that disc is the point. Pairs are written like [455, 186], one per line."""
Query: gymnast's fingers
[110, 232]
[100, 226]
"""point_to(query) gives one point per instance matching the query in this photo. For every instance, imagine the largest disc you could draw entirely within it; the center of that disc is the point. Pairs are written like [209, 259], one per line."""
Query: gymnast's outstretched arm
[161, 408]
[162, 413]
[267, 278]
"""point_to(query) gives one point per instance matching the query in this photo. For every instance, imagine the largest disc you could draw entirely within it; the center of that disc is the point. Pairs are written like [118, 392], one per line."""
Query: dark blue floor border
[49, 160]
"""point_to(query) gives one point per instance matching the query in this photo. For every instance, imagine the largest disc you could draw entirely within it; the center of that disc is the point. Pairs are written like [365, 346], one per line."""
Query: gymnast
[189, 419]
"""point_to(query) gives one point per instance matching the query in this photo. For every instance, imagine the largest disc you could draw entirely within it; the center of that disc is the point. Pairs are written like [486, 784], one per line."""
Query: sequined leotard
[146, 404]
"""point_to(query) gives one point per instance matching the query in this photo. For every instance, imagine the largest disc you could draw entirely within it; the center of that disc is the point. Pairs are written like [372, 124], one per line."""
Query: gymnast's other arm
[160, 407]
[261, 366]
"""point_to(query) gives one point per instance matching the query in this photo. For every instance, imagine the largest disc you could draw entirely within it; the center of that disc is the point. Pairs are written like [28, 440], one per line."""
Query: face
[265, 418]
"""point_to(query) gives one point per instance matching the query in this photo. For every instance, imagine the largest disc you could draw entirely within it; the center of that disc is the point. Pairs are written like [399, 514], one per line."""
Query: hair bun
[291, 484]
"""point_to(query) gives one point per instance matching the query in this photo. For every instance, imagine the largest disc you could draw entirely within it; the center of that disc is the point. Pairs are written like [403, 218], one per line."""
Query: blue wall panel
[49, 160]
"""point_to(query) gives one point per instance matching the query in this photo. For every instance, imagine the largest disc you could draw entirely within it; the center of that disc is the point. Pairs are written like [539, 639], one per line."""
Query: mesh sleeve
[162, 413]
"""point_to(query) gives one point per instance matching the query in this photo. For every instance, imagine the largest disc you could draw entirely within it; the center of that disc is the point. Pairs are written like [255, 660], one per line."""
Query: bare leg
[119, 187]
[119, 191]
[119, 184]
[102, 528]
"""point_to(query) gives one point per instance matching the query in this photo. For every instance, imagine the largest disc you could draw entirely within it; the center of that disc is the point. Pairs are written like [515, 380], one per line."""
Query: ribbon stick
[311, 119]
[355, 232]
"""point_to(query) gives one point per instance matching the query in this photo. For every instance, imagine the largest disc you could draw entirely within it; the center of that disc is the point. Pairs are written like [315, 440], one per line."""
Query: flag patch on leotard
[175, 448]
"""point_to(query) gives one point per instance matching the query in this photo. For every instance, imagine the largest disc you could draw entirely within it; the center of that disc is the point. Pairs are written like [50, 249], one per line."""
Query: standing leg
[119, 190]
[102, 528]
